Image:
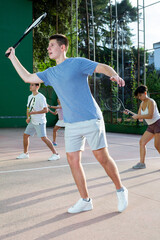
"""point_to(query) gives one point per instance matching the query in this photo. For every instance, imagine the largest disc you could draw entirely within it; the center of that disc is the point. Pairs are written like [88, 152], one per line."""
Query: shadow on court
[36, 193]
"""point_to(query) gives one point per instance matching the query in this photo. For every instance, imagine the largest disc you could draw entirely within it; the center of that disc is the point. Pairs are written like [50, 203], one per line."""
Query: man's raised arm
[23, 73]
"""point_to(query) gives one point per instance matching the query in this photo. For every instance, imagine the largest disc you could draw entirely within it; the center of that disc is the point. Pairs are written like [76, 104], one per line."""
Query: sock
[86, 199]
[120, 190]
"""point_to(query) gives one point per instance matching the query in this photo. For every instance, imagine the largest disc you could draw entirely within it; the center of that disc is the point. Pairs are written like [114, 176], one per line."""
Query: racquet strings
[35, 23]
[31, 104]
[113, 104]
[28, 30]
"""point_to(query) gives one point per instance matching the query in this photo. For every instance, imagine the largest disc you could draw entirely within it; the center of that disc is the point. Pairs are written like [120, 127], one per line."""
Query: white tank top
[156, 114]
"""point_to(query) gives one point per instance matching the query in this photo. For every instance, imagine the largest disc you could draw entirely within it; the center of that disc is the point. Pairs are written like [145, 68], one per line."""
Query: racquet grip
[7, 54]
[131, 113]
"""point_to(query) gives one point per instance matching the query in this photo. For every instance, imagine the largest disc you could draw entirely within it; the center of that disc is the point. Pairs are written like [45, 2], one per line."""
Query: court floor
[35, 193]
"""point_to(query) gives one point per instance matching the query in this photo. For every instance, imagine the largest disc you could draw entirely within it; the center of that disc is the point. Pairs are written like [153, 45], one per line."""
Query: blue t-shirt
[70, 82]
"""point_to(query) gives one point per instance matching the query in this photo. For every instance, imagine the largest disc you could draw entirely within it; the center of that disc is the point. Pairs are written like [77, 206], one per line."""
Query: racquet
[28, 30]
[31, 104]
[115, 104]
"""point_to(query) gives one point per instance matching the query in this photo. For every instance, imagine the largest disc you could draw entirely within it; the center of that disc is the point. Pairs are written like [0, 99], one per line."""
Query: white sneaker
[23, 156]
[122, 200]
[54, 157]
[81, 206]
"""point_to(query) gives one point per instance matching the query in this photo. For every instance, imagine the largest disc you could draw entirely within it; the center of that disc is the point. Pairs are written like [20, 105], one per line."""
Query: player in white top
[60, 123]
[149, 112]
[36, 120]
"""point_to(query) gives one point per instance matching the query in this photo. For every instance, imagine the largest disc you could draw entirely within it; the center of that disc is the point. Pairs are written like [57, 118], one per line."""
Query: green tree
[58, 20]
[153, 84]
[61, 18]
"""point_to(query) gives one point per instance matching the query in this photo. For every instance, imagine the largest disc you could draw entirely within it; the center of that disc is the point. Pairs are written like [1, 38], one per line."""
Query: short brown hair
[61, 39]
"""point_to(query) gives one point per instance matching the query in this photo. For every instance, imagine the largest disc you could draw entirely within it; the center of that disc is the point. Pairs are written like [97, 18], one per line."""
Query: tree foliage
[58, 20]
[153, 84]
[105, 23]
[61, 18]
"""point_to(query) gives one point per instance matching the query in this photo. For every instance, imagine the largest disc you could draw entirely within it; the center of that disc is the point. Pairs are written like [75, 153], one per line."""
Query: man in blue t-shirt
[82, 116]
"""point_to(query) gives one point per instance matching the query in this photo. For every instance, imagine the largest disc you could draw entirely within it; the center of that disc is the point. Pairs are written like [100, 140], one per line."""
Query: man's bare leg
[103, 157]
[74, 160]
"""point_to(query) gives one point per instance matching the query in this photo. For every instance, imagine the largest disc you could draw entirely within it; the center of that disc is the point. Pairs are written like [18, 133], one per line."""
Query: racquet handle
[7, 54]
[131, 113]
[15, 45]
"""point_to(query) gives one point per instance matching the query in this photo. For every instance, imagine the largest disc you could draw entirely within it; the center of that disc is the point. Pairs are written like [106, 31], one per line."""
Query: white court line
[63, 166]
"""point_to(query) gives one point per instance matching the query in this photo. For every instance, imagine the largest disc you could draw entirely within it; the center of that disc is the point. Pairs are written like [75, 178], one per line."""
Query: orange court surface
[35, 193]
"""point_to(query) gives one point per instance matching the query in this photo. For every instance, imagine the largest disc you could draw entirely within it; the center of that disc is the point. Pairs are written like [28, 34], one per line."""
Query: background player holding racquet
[149, 112]
[115, 104]
[82, 115]
[60, 123]
[36, 120]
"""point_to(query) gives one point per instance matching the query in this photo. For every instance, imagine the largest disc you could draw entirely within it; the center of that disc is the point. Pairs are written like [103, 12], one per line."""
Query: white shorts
[92, 130]
[60, 123]
[40, 129]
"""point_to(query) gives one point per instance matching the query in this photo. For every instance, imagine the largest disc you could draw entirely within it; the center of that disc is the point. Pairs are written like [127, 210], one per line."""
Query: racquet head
[28, 30]
[35, 23]
[114, 104]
